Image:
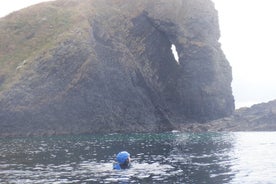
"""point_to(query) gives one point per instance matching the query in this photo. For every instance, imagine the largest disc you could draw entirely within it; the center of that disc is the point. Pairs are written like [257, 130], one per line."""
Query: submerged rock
[99, 66]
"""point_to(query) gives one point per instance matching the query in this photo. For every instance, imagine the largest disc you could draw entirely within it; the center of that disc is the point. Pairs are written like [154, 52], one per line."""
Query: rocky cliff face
[259, 117]
[106, 66]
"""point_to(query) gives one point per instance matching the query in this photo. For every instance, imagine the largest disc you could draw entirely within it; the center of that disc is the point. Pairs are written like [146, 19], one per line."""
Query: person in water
[123, 161]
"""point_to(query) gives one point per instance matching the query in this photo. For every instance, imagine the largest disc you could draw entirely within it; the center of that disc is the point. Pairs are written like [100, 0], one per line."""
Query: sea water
[210, 158]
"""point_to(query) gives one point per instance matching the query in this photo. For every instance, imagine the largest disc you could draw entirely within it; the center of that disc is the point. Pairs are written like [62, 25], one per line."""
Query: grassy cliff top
[34, 31]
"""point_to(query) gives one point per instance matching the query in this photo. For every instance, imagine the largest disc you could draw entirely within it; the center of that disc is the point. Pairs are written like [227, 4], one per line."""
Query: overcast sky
[248, 37]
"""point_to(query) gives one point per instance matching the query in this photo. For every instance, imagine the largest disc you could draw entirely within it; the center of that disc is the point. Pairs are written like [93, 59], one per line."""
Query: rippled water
[156, 158]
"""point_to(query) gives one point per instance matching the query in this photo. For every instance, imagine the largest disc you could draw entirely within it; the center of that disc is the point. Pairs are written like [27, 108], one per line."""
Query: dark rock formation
[95, 66]
[260, 117]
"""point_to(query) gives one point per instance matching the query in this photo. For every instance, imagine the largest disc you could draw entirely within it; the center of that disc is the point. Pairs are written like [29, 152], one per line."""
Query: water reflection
[253, 158]
[203, 157]
[156, 158]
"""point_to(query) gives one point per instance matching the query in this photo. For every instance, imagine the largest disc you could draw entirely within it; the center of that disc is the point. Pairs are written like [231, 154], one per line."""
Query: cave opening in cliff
[175, 53]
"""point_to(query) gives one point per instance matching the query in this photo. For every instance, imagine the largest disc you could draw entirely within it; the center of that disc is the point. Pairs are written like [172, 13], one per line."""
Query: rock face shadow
[112, 69]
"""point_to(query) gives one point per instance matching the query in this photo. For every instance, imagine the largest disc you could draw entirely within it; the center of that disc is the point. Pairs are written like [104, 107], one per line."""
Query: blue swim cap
[122, 157]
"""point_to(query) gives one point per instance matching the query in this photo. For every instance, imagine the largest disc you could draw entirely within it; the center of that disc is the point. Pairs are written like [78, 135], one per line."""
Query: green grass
[33, 32]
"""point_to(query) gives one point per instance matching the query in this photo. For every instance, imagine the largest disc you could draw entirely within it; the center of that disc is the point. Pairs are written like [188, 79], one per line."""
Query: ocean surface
[192, 158]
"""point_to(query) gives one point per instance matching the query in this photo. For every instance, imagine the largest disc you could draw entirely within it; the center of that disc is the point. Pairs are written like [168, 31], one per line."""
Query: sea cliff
[101, 66]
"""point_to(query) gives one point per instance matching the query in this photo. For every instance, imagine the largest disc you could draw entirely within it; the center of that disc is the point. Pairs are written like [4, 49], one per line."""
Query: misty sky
[248, 35]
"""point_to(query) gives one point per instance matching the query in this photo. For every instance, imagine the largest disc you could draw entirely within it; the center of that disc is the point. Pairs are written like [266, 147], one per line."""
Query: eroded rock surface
[259, 117]
[95, 66]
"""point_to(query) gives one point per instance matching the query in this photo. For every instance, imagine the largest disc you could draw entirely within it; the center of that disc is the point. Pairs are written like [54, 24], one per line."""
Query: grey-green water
[156, 158]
